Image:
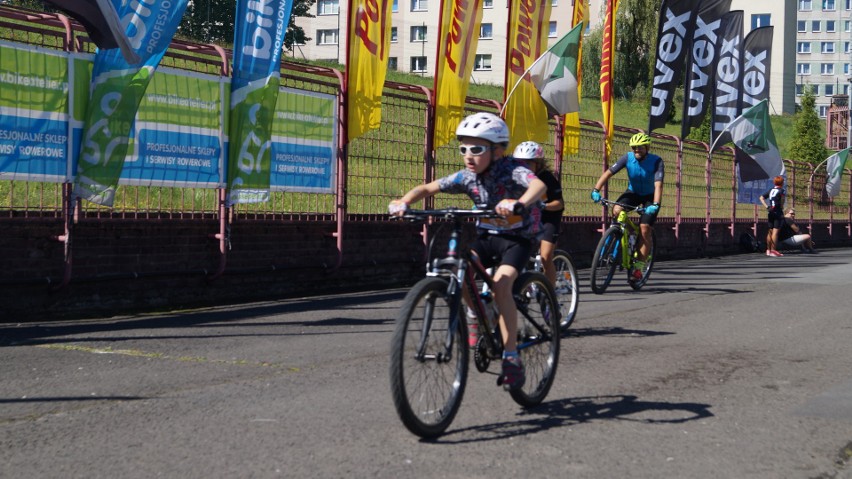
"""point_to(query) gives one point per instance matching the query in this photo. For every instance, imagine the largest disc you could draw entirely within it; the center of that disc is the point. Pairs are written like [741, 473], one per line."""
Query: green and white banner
[33, 114]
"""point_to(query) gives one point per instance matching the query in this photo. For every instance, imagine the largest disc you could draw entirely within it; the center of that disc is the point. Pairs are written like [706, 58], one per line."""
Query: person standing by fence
[775, 216]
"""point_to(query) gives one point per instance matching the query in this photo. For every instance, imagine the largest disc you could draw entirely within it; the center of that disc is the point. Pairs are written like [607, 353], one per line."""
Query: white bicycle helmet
[528, 150]
[487, 126]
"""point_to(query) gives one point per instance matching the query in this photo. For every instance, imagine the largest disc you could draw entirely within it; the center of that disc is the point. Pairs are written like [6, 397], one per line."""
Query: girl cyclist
[493, 180]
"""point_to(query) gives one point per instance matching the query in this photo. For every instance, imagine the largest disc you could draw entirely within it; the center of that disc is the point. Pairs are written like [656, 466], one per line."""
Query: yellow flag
[460, 23]
[526, 113]
[571, 134]
[607, 62]
[367, 65]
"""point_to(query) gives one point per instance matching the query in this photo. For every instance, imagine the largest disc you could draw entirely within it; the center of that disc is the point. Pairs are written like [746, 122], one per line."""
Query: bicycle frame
[627, 227]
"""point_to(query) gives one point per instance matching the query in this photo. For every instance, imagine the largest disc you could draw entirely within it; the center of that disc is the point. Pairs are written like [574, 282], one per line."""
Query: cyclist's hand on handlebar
[509, 207]
[652, 209]
[596, 196]
[397, 208]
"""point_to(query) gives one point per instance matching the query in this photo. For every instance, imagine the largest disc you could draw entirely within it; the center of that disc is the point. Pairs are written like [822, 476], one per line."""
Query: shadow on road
[575, 411]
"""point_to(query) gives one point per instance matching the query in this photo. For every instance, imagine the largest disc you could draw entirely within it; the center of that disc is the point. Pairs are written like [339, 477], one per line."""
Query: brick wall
[126, 266]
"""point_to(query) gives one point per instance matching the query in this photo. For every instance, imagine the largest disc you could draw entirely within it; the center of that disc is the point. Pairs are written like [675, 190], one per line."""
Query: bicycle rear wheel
[567, 288]
[428, 380]
[538, 336]
[649, 265]
[607, 258]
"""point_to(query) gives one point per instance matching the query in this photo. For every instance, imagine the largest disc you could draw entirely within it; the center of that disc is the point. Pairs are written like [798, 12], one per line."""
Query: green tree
[212, 21]
[807, 144]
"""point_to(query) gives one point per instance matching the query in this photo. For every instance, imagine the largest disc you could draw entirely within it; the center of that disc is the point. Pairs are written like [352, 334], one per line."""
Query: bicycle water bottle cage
[443, 267]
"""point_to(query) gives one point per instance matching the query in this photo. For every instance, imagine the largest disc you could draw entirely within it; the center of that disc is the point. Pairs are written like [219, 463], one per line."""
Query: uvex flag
[460, 23]
[102, 24]
[607, 62]
[674, 38]
[258, 39]
[729, 67]
[116, 91]
[554, 74]
[754, 88]
[571, 134]
[702, 63]
[367, 63]
[752, 133]
[834, 168]
[525, 114]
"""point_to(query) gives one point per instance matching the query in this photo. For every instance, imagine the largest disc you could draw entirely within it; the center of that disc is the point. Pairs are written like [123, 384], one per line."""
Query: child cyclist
[493, 180]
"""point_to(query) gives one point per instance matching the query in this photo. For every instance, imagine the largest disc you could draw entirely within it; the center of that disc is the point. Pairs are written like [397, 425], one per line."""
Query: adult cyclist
[645, 173]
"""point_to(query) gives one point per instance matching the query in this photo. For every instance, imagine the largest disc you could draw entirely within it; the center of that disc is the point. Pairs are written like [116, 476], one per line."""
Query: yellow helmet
[640, 139]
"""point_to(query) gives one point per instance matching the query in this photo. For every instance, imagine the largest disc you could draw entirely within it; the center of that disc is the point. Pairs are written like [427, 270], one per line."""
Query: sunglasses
[473, 149]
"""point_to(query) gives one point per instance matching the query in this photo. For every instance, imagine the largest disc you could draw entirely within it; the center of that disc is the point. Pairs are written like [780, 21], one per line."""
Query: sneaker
[472, 334]
[775, 254]
[768, 252]
[512, 378]
[637, 274]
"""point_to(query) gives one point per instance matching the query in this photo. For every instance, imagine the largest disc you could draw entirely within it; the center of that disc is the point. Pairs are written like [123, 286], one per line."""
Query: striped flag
[607, 62]
[571, 133]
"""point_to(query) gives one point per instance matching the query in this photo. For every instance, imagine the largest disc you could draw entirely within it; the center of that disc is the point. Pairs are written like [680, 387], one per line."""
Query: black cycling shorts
[776, 219]
[495, 250]
[632, 199]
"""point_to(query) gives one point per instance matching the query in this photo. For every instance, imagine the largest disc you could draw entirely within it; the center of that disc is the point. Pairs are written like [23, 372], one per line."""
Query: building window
[482, 63]
[815, 26]
[845, 68]
[799, 90]
[419, 5]
[760, 20]
[490, 3]
[823, 111]
[830, 25]
[828, 90]
[827, 47]
[418, 33]
[848, 5]
[552, 32]
[828, 5]
[486, 31]
[395, 6]
[846, 89]
[554, 3]
[394, 35]
[328, 7]
[802, 25]
[803, 68]
[826, 69]
[392, 63]
[418, 64]
[805, 5]
[801, 47]
[847, 26]
[327, 37]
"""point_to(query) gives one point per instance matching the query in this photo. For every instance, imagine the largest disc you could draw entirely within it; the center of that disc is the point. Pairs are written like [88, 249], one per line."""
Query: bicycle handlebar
[638, 209]
[450, 213]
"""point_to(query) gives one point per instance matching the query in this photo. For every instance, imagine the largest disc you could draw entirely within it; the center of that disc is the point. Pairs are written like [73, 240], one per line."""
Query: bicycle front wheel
[567, 288]
[649, 265]
[538, 336]
[428, 369]
[607, 258]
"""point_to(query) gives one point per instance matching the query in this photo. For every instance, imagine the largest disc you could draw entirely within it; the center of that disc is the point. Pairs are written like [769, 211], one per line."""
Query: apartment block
[414, 35]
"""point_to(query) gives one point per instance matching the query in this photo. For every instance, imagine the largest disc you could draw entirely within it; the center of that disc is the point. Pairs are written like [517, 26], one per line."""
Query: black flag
[699, 82]
[757, 50]
[674, 38]
[102, 24]
[729, 69]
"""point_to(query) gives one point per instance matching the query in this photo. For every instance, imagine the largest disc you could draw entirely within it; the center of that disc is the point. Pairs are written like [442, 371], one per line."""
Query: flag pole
[521, 77]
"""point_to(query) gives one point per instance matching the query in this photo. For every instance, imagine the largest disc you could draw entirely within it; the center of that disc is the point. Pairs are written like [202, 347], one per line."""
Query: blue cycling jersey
[641, 174]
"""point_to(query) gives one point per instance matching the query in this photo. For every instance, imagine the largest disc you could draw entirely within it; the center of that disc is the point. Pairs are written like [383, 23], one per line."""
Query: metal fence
[384, 163]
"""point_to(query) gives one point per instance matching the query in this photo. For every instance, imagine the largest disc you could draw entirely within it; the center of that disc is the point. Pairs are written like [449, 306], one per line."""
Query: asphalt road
[732, 367]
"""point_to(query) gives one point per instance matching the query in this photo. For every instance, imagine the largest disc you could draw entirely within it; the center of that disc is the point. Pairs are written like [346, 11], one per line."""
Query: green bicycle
[617, 249]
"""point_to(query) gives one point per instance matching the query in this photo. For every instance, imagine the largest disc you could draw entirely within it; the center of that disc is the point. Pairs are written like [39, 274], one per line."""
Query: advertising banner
[117, 89]
[304, 142]
[258, 40]
[33, 114]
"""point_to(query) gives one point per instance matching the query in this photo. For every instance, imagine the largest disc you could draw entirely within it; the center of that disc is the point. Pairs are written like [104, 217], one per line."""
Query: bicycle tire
[649, 265]
[538, 336]
[427, 391]
[607, 257]
[567, 288]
